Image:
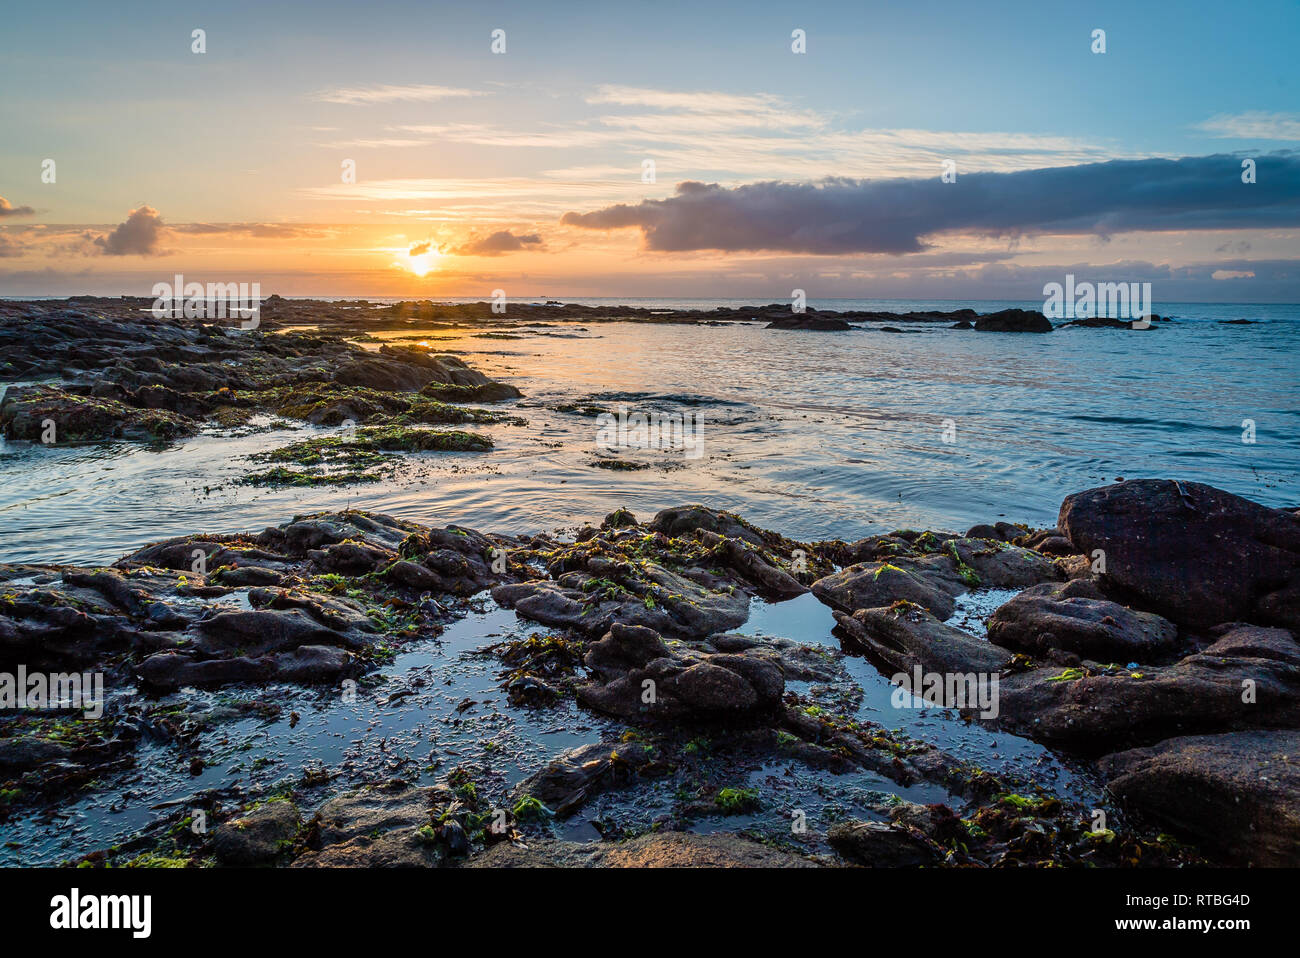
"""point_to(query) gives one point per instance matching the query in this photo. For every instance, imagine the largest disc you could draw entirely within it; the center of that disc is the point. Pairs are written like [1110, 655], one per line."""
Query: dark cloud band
[841, 215]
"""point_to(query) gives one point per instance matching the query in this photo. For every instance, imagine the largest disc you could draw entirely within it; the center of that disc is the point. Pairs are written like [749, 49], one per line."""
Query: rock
[375, 827]
[1075, 617]
[1248, 678]
[1014, 321]
[805, 321]
[48, 413]
[870, 585]
[257, 837]
[683, 607]
[581, 773]
[905, 636]
[683, 520]
[23, 752]
[413, 575]
[1056, 546]
[1234, 793]
[630, 660]
[1195, 554]
[658, 850]
[881, 845]
[932, 579]
[983, 531]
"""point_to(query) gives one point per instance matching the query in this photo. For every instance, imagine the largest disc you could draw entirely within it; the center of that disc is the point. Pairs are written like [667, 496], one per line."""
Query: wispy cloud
[8, 209]
[1253, 125]
[393, 93]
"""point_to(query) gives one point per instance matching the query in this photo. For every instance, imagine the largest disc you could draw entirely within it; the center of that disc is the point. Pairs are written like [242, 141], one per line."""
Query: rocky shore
[1175, 673]
[1148, 640]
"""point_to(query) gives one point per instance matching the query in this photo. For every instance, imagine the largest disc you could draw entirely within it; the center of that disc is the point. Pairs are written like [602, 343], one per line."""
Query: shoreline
[1133, 672]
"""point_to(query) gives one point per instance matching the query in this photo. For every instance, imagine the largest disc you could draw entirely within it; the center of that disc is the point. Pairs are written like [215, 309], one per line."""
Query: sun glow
[420, 259]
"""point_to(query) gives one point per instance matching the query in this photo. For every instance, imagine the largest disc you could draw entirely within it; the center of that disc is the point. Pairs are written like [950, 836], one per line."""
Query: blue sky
[454, 145]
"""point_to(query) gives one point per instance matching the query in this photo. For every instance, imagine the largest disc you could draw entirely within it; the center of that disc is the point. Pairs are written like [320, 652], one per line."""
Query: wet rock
[1014, 321]
[871, 585]
[636, 674]
[1248, 678]
[660, 850]
[248, 576]
[375, 827]
[413, 575]
[881, 845]
[906, 636]
[932, 573]
[683, 520]
[23, 752]
[257, 837]
[655, 598]
[805, 321]
[1195, 554]
[1076, 617]
[306, 665]
[1233, 793]
[576, 776]
[47, 413]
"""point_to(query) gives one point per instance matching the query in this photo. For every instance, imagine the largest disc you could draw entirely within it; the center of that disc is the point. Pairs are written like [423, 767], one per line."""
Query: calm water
[815, 434]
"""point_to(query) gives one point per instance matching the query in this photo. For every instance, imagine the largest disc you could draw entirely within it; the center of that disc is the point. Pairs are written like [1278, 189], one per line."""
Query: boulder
[1248, 678]
[1195, 554]
[1075, 617]
[906, 636]
[881, 845]
[630, 662]
[1234, 793]
[258, 837]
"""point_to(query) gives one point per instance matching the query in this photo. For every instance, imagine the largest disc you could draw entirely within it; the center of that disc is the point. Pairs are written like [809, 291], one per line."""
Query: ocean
[816, 434]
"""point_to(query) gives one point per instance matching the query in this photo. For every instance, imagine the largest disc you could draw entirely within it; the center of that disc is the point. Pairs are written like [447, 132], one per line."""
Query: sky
[651, 148]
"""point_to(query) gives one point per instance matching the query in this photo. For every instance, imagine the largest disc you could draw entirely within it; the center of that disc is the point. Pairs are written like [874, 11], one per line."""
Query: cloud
[419, 249]
[392, 93]
[138, 236]
[8, 209]
[842, 215]
[502, 241]
[259, 230]
[9, 248]
[1254, 125]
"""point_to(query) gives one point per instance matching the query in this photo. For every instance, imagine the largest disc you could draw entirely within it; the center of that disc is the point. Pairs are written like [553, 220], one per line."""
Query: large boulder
[1195, 554]
[1248, 678]
[1075, 617]
[1233, 793]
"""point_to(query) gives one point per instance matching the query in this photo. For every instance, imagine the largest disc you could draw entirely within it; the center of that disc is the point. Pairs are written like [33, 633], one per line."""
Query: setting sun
[421, 258]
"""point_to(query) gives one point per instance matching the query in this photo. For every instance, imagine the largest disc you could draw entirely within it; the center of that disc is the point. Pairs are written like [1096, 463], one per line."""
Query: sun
[420, 259]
